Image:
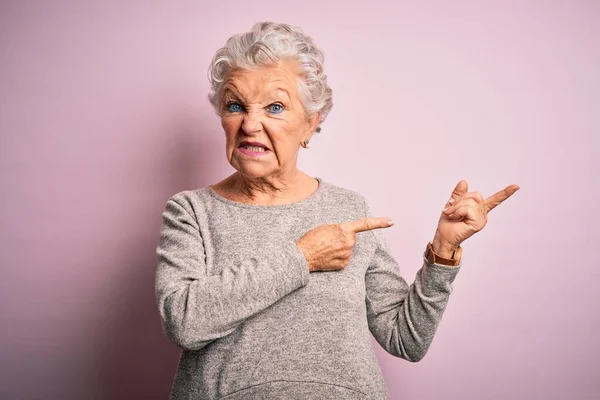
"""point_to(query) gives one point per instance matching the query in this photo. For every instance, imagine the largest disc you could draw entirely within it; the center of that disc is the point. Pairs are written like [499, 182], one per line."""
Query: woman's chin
[252, 171]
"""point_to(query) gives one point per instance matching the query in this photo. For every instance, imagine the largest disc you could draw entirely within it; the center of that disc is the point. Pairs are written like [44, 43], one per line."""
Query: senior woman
[271, 280]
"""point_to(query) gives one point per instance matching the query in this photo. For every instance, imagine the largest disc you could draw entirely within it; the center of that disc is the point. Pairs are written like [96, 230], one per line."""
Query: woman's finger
[477, 196]
[471, 195]
[494, 200]
[458, 192]
[460, 212]
[465, 201]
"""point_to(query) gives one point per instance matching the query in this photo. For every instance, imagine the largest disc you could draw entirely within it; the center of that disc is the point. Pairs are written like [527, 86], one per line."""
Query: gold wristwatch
[433, 258]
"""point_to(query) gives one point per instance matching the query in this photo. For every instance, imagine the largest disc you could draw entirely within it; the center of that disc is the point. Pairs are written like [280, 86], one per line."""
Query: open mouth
[253, 147]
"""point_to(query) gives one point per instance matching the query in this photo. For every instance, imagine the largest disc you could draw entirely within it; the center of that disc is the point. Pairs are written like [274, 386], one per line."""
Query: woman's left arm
[404, 318]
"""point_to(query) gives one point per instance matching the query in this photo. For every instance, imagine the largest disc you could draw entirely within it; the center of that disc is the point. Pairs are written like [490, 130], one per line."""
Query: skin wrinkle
[231, 93]
[272, 178]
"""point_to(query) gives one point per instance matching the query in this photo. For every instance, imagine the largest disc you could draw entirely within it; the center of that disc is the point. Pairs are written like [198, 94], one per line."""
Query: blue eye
[275, 108]
[234, 107]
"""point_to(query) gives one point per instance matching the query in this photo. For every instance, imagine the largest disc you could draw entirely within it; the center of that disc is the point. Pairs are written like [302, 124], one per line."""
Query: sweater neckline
[314, 196]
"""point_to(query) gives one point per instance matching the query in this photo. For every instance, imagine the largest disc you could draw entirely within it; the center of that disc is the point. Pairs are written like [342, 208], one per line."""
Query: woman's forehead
[265, 81]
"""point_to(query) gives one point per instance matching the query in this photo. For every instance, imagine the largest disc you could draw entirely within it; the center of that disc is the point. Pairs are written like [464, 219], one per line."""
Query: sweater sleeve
[197, 308]
[404, 318]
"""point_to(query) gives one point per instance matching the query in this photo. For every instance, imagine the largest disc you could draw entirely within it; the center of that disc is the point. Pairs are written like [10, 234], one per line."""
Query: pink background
[103, 116]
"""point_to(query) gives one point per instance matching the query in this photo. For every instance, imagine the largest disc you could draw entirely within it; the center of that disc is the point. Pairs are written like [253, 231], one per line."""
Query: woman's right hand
[329, 247]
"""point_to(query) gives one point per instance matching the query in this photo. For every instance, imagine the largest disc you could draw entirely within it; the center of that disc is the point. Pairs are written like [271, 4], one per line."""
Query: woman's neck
[269, 190]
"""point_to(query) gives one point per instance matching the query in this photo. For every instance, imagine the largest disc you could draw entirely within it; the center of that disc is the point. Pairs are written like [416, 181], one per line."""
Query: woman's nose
[251, 123]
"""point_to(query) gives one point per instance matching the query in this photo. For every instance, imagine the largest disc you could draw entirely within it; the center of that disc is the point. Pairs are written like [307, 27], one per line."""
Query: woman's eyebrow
[279, 91]
[231, 91]
[277, 94]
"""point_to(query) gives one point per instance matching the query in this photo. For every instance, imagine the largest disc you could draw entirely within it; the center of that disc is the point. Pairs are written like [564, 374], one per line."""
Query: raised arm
[404, 318]
[197, 308]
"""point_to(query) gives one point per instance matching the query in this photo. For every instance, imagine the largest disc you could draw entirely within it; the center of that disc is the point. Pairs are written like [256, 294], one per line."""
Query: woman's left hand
[464, 215]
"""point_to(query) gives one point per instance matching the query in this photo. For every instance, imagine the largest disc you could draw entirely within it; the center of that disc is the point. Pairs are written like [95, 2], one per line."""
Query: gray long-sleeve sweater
[235, 293]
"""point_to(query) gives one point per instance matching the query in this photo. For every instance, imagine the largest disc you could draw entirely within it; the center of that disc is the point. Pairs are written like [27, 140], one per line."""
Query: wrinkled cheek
[229, 127]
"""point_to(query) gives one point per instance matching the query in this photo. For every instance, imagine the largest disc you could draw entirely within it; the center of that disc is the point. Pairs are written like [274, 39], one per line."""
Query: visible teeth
[254, 148]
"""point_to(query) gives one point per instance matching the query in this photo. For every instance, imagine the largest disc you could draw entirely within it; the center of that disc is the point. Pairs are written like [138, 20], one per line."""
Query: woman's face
[264, 120]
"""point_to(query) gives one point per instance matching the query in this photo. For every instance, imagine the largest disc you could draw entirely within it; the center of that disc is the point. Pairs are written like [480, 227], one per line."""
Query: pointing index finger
[367, 224]
[494, 200]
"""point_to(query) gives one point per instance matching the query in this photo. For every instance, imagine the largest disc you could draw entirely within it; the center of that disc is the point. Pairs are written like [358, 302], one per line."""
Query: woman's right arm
[197, 308]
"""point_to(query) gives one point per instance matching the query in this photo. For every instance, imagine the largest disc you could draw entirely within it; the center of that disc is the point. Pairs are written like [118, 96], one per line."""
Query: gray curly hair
[268, 43]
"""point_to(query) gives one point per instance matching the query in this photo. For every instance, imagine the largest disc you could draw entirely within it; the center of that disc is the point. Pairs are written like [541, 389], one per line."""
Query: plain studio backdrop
[104, 116]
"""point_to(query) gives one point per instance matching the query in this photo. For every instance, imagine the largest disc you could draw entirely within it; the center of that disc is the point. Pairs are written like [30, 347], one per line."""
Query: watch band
[433, 258]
